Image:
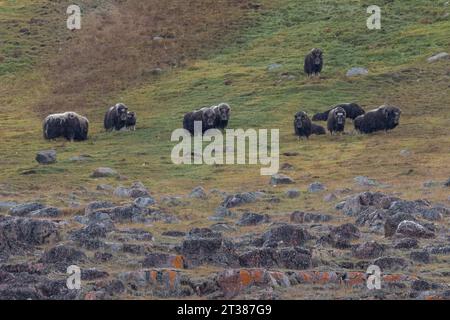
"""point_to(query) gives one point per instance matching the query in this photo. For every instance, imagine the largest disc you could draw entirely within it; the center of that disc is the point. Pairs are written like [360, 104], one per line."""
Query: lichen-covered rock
[286, 235]
[253, 219]
[368, 250]
[413, 229]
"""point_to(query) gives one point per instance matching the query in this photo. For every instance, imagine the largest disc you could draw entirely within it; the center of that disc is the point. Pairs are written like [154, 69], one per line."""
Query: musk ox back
[69, 125]
[314, 62]
[383, 118]
[317, 130]
[205, 115]
[302, 125]
[352, 110]
[116, 117]
[336, 120]
[222, 112]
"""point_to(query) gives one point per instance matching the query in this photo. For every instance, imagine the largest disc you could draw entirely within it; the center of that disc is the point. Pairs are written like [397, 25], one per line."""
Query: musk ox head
[208, 117]
[317, 56]
[392, 114]
[121, 111]
[131, 116]
[300, 119]
[339, 115]
[223, 110]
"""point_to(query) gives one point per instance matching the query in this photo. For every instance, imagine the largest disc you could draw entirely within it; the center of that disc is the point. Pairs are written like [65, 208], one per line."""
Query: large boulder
[46, 157]
[253, 219]
[368, 250]
[277, 179]
[104, 172]
[238, 199]
[286, 235]
[392, 222]
[24, 209]
[288, 258]
[413, 229]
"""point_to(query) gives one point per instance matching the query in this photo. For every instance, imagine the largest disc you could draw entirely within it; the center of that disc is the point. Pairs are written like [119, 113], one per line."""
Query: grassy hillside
[278, 33]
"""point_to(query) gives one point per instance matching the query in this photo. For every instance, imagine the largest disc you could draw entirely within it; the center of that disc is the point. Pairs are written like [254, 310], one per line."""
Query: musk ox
[336, 120]
[352, 110]
[383, 118]
[314, 62]
[131, 121]
[205, 115]
[116, 117]
[318, 130]
[222, 112]
[302, 125]
[69, 125]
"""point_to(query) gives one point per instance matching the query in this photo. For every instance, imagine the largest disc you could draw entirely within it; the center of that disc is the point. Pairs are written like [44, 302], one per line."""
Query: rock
[365, 181]
[89, 237]
[405, 153]
[7, 205]
[287, 258]
[49, 212]
[46, 157]
[122, 192]
[286, 235]
[164, 260]
[175, 234]
[341, 236]
[63, 256]
[413, 229]
[430, 184]
[238, 199]
[172, 201]
[437, 57]
[391, 263]
[330, 197]
[406, 243]
[420, 256]
[22, 210]
[420, 285]
[198, 193]
[433, 214]
[447, 183]
[316, 187]
[277, 179]
[253, 219]
[104, 173]
[305, 217]
[222, 227]
[392, 222]
[274, 67]
[357, 71]
[292, 193]
[96, 205]
[105, 187]
[368, 250]
[222, 213]
[161, 282]
[144, 202]
[93, 274]
[81, 158]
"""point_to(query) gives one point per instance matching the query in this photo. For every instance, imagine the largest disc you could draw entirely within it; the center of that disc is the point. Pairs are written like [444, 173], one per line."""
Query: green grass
[283, 33]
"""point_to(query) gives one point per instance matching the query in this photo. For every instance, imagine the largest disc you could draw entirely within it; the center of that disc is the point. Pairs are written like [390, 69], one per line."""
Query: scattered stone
[144, 202]
[6, 206]
[420, 256]
[413, 229]
[221, 213]
[122, 192]
[406, 243]
[420, 285]
[163, 260]
[175, 234]
[439, 56]
[330, 197]
[316, 187]
[198, 193]
[49, 212]
[433, 214]
[274, 67]
[368, 250]
[365, 181]
[306, 217]
[287, 258]
[392, 222]
[391, 263]
[285, 235]
[278, 178]
[93, 274]
[238, 199]
[405, 153]
[292, 193]
[357, 71]
[22, 210]
[104, 173]
[253, 219]
[46, 157]
[63, 256]
[447, 183]
[172, 201]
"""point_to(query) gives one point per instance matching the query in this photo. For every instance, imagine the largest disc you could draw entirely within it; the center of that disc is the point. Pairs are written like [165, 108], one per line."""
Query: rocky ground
[236, 253]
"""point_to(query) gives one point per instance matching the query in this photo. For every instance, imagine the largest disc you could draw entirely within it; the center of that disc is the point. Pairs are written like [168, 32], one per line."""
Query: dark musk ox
[116, 117]
[69, 125]
[205, 115]
[222, 112]
[383, 118]
[314, 62]
[302, 125]
[131, 121]
[336, 120]
[352, 110]
[317, 130]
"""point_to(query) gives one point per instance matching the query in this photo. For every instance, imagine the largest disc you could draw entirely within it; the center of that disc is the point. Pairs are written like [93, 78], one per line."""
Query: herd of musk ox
[74, 127]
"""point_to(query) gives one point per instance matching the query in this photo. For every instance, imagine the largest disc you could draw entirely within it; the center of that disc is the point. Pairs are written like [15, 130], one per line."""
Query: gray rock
[144, 202]
[292, 193]
[253, 219]
[49, 212]
[357, 71]
[93, 274]
[105, 187]
[96, 205]
[26, 208]
[392, 222]
[368, 250]
[365, 181]
[238, 199]
[286, 235]
[405, 153]
[46, 157]
[104, 172]
[420, 285]
[420, 256]
[288, 258]
[439, 56]
[391, 263]
[406, 243]
[222, 213]
[306, 217]
[122, 192]
[277, 179]
[433, 214]
[447, 183]
[330, 197]
[198, 193]
[274, 67]
[413, 229]
[7, 205]
[63, 255]
[316, 187]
